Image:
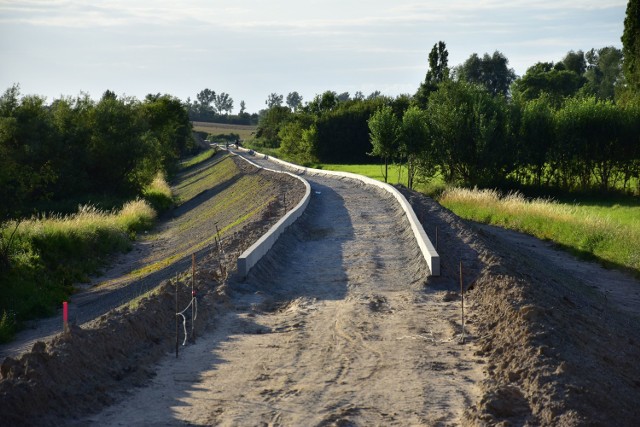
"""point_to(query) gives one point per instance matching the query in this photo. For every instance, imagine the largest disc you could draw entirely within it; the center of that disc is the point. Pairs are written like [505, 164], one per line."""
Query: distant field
[244, 131]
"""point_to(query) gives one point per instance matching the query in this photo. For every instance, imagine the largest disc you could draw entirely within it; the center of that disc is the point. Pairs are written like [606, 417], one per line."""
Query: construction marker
[65, 317]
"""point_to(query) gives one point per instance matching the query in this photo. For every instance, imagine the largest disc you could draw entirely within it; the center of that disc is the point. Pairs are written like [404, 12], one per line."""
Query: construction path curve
[337, 325]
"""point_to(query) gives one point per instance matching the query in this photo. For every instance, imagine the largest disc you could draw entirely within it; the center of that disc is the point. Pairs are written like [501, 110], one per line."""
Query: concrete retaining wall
[426, 247]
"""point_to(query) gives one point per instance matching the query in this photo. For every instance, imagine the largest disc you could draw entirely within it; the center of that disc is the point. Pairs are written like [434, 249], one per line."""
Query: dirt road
[336, 326]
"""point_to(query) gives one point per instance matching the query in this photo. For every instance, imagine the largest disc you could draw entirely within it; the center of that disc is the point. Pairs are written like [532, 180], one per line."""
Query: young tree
[414, 139]
[384, 131]
[243, 107]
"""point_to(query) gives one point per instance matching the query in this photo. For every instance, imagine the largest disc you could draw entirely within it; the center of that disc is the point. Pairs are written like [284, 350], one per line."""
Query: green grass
[397, 175]
[159, 194]
[607, 232]
[197, 159]
[46, 255]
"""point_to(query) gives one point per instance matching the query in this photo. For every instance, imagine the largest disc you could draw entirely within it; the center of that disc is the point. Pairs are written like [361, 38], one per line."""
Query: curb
[426, 247]
[255, 252]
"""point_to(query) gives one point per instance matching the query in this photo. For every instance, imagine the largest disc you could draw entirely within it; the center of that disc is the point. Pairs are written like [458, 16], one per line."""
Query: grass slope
[608, 233]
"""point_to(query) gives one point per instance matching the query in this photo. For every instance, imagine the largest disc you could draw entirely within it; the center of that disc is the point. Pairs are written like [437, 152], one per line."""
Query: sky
[251, 48]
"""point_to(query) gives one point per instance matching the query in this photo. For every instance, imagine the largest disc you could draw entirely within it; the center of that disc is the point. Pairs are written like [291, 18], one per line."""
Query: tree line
[574, 124]
[76, 148]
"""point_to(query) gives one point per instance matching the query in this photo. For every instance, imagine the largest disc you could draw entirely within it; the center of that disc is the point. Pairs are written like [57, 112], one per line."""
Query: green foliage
[270, 124]
[631, 47]
[438, 72]
[492, 72]
[545, 77]
[46, 256]
[469, 131]
[384, 130]
[604, 72]
[76, 147]
[159, 194]
[415, 143]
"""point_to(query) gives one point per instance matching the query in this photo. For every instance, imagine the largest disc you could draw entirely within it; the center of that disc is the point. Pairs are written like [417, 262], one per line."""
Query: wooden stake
[193, 280]
[462, 300]
[177, 326]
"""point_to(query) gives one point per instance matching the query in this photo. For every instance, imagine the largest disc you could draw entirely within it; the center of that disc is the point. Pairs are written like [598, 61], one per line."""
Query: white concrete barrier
[255, 252]
[426, 247]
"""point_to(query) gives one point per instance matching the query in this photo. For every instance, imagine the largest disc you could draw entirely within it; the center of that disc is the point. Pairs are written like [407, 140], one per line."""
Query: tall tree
[575, 61]
[550, 78]
[274, 100]
[223, 103]
[438, 72]
[631, 46]
[294, 100]
[492, 72]
[603, 73]
[206, 97]
[243, 107]
[384, 132]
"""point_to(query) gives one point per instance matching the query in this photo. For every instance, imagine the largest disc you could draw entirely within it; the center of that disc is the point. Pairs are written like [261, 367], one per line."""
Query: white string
[194, 301]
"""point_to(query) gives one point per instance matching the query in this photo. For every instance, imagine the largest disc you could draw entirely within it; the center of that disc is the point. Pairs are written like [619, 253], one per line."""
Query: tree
[294, 100]
[575, 61]
[243, 107]
[631, 46]
[384, 131]
[603, 73]
[322, 103]
[344, 97]
[414, 139]
[550, 78]
[223, 103]
[469, 133]
[206, 97]
[358, 96]
[270, 123]
[492, 72]
[274, 100]
[438, 72]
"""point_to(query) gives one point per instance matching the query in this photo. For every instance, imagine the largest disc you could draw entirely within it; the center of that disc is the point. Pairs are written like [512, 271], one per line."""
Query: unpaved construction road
[340, 325]
[334, 327]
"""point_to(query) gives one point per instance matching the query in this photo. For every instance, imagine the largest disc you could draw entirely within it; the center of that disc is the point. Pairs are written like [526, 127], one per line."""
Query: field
[245, 131]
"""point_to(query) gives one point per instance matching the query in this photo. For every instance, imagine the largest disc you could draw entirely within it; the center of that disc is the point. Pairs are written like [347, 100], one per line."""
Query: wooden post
[193, 294]
[462, 300]
[177, 326]
[436, 238]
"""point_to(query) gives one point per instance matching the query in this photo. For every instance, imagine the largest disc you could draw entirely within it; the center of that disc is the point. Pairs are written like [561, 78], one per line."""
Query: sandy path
[334, 327]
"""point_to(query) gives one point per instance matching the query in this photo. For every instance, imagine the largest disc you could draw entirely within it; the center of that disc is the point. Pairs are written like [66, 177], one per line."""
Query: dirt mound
[558, 354]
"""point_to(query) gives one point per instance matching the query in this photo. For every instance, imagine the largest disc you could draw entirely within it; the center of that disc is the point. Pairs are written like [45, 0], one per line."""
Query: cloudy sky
[250, 48]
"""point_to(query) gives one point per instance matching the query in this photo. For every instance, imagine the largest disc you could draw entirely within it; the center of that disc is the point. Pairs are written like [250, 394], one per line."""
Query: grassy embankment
[42, 257]
[603, 230]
